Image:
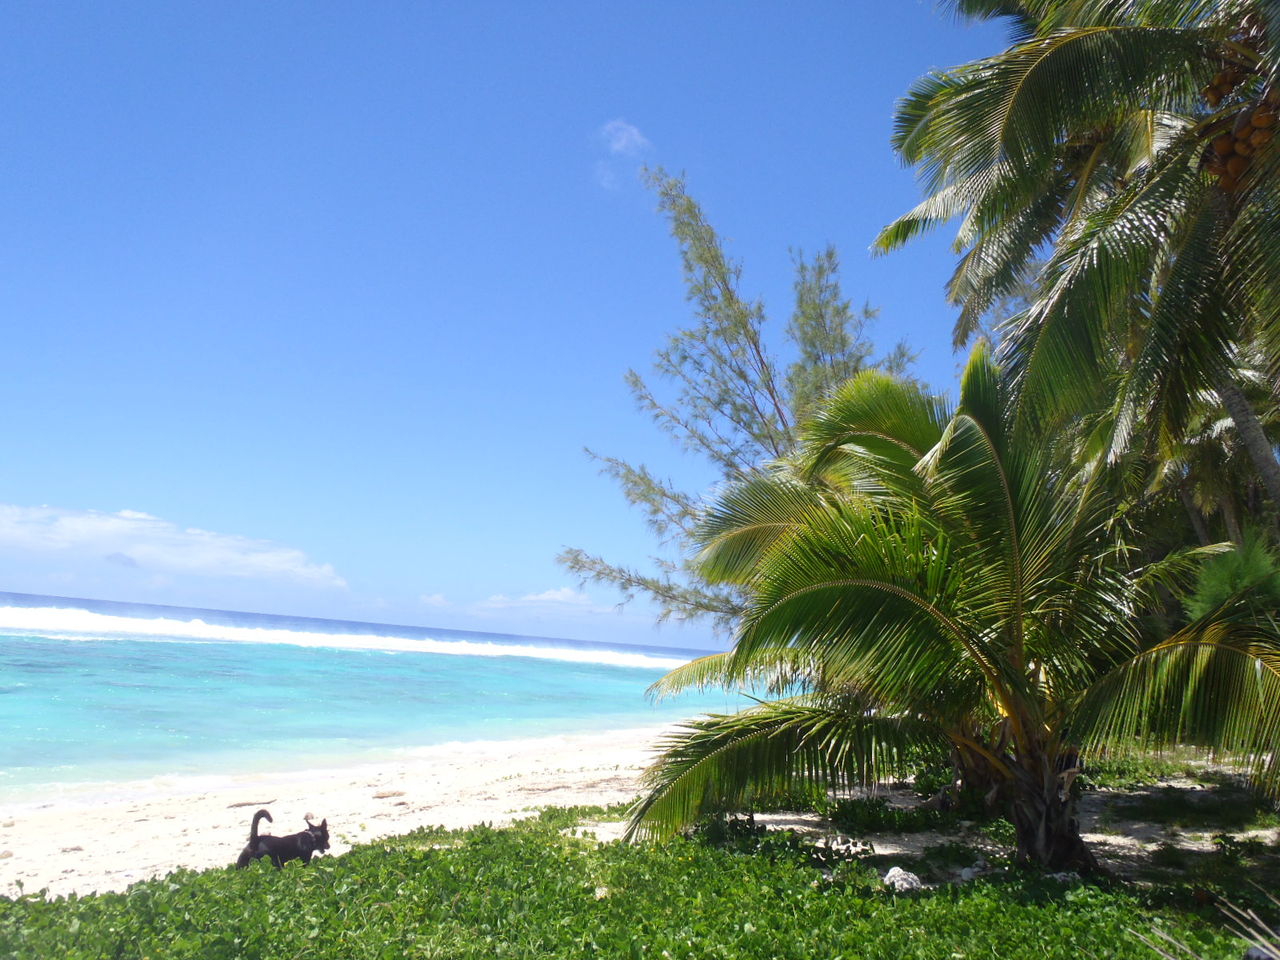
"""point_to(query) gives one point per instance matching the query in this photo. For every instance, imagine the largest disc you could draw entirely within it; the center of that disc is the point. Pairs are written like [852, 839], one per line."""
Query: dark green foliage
[531, 892]
[951, 855]
[938, 780]
[999, 831]
[1251, 569]
[721, 830]
[933, 778]
[742, 835]
[862, 815]
[806, 798]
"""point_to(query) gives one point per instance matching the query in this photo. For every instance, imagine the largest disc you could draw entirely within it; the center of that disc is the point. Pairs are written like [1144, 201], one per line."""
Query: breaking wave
[77, 624]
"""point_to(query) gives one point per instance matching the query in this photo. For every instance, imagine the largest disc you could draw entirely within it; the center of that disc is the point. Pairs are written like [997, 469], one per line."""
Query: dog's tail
[253, 830]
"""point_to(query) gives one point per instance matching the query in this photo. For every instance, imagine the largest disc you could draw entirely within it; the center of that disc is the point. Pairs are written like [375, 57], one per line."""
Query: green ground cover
[538, 890]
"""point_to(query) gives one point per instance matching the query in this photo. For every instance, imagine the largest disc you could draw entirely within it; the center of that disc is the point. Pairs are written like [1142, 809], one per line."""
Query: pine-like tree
[727, 397]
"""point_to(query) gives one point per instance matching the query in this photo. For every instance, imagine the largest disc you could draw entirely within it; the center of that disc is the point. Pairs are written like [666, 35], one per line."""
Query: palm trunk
[1232, 521]
[1197, 518]
[1043, 811]
[1254, 438]
[977, 782]
[1036, 786]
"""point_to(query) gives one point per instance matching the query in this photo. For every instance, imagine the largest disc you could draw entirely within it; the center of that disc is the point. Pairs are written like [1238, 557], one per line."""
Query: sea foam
[73, 624]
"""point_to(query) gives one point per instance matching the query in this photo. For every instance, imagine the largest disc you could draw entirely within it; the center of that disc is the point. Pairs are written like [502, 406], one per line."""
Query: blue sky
[312, 308]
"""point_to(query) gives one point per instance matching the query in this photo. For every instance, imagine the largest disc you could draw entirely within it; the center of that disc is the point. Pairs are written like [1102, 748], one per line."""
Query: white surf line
[68, 624]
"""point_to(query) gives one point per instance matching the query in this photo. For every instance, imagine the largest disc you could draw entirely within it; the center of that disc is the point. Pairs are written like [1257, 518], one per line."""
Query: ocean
[96, 691]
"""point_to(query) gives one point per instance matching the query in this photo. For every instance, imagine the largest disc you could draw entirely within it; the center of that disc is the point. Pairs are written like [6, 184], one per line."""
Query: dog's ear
[324, 824]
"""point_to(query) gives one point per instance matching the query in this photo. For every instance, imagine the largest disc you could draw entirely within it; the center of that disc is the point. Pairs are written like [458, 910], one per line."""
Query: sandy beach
[98, 837]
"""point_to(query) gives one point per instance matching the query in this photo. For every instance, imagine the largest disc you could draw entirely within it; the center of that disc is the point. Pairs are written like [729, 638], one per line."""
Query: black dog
[302, 845]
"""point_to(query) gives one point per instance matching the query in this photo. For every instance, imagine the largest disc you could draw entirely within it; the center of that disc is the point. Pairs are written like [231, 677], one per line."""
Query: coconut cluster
[1249, 131]
[1249, 128]
[1223, 85]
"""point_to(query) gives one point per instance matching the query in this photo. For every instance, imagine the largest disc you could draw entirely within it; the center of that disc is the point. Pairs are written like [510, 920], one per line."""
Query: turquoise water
[109, 694]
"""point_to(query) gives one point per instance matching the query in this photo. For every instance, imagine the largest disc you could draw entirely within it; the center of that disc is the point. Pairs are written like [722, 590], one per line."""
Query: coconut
[1221, 77]
[1242, 124]
[1237, 165]
[1263, 118]
[1224, 145]
[1213, 96]
[1260, 138]
[1229, 183]
[1273, 96]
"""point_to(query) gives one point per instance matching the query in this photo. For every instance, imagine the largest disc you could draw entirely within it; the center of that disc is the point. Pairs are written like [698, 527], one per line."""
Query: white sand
[100, 837]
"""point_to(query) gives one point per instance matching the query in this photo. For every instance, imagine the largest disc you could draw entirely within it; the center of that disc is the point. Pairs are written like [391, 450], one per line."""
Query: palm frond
[749, 519]
[725, 762]
[1065, 343]
[1215, 684]
[776, 672]
[874, 430]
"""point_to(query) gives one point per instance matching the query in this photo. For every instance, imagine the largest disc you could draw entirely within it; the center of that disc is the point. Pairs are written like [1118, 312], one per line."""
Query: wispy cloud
[133, 539]
[433, 600]
[624, 138]
[625, 148]
[558, 599]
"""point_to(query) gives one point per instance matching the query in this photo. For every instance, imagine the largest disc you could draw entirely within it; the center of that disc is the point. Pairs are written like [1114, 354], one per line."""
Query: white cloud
[625, 147]
[560, 598]
[559, 595]
[434, 600]
[624, 139]
[130, 538]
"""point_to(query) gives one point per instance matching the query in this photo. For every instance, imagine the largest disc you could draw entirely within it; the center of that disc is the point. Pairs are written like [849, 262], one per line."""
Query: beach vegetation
[532, 890]
[1076, 559]
[928, 579]
[1133, 768]
[865, 815]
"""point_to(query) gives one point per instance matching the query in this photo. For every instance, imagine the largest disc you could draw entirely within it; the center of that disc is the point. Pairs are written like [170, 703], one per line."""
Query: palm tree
[1131, 141]
[927, 577]
[1209, 472]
